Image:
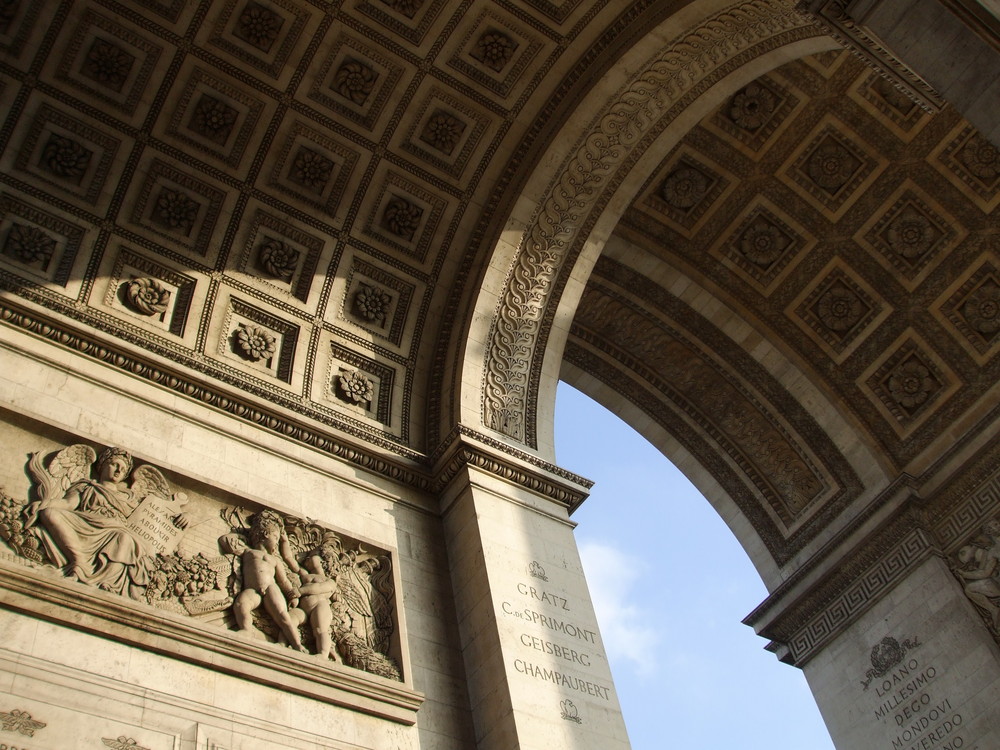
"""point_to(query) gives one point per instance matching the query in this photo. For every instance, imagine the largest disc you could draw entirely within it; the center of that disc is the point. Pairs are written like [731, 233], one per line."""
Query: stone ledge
[104, 614]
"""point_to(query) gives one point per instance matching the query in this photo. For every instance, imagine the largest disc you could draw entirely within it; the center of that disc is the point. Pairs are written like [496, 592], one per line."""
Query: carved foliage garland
[517, 324]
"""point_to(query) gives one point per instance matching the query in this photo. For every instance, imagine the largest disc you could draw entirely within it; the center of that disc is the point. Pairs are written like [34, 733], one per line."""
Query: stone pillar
[918, 670]
[537, 671]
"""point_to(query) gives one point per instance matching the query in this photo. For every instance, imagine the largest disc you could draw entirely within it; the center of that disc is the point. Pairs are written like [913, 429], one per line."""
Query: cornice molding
[411, 468]
[467, 448]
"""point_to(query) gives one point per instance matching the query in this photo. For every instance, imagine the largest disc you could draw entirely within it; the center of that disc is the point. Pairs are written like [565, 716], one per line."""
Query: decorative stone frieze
[102, 520]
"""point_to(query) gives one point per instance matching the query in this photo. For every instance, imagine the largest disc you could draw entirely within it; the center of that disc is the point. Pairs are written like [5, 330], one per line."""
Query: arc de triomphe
[287, 287]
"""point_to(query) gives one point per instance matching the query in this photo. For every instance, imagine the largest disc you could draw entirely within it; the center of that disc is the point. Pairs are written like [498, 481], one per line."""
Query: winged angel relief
[105, 522]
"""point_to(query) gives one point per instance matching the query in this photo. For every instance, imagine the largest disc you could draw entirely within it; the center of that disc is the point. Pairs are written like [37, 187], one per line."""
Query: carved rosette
[509, 367]
[254, 342]
[66, 158]
[277, 258]
[840, 308]
[354, 80]
[752, 107]
[258, 26]
[494, 49]
[372, 303]
[982, 159]
[355, 388]
[443, 131]
[147, 296]
[401, 217]
[29, 244]
[982, 310]
[176, 210]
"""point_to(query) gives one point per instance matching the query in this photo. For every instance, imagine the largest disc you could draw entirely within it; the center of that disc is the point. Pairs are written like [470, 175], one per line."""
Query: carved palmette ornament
[101, 520]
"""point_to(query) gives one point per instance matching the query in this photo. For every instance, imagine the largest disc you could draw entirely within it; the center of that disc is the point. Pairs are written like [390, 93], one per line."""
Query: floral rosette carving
[831, 166]
[763, 243]
[277, 258]
[982, 309]
[108, 64]
[372, 303]
[355, 387]
[176, 210]
[443, 131]
[29, 244]
[147, 296]
[981, 158]
[684, 188]
[65, 157]
[752, 107]
[910, 234]
[840, 309]
[311, 169]
[911, 384]
[259, 26]
[355, 80]
[495, 49]
[401, 217]
[255, 343]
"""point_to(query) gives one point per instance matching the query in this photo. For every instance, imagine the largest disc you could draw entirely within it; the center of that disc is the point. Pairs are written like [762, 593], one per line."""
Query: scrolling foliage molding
[108, 522]
[512, 361]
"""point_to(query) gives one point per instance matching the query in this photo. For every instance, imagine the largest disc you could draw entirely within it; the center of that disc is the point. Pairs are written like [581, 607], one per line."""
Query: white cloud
[625, 625]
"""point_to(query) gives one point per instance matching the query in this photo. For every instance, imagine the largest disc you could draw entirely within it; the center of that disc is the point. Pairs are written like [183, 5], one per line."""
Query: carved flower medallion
[29, 244]
[311, 169]
[355, 81]
[255, 343]
[355, 387]
[981, 158]
[982, 310]
[107, 64]
[401, 217]
[684, 187]
[494, 49]
[443, 131]
[277, 258]
[831, 165]
[839, 309]
[372, 303]
[911, 383]
[213, 119]
[910, 233]
[259, 26]
[763, 242]
[176, 210]
[752, 107]
[147, 296]
[65, 157]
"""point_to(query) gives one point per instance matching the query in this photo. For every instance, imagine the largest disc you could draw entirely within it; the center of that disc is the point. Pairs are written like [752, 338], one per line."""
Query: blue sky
[671, 585]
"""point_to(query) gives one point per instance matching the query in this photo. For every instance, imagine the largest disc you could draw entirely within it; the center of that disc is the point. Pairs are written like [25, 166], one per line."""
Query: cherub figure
[80, 521]
[980, 567]
[319, 588]
[265, 580]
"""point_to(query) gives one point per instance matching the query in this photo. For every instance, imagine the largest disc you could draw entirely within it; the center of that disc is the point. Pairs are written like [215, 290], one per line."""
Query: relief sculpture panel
[105, 520]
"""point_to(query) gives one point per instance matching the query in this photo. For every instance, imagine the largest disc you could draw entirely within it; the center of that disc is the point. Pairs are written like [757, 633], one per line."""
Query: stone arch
[552, 240]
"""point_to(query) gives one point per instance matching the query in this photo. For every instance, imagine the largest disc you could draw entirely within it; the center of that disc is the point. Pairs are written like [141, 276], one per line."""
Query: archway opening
[670, 584]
